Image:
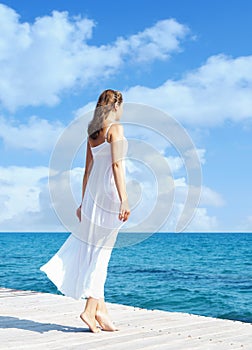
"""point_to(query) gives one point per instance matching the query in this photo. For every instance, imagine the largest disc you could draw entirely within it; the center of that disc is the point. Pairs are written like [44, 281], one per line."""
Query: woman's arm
[88, 167]
[117, 147]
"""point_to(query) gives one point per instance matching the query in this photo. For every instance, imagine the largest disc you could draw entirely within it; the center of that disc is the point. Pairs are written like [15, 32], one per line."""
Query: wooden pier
[32, 320]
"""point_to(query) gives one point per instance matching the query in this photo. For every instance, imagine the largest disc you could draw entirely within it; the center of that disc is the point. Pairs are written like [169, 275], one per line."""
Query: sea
[207, 274]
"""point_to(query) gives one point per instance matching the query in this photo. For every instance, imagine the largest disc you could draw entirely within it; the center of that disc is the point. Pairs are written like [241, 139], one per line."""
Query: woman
[79, 268]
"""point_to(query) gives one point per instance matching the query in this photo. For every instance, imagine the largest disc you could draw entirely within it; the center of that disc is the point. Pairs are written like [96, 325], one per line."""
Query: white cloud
[175, 163]
[26, 204]
[210, 197]
[156, 42]
[200, 152]
[170, 207]
[202, 222]
[20, 190]
[149, 179]
[36, 135]
[220, 89]
[25, 200]
[40, 60]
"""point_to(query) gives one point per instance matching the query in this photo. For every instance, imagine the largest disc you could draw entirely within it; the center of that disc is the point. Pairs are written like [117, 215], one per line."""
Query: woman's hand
[78, 213]
[124, 211]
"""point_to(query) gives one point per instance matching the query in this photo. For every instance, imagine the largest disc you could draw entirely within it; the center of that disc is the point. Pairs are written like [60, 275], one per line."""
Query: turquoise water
[200, 273]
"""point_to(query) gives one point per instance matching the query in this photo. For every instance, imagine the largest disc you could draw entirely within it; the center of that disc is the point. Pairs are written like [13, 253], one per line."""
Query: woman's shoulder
[115, 131]
[117, 127]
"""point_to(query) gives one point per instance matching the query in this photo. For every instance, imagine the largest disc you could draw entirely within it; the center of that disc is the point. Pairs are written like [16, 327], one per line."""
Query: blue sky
[189, 58]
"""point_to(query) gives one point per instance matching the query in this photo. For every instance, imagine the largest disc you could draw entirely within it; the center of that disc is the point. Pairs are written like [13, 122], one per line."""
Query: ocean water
[201, 273]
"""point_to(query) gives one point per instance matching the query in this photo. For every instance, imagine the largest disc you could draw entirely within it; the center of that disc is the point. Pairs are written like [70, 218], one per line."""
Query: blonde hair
[106, 103]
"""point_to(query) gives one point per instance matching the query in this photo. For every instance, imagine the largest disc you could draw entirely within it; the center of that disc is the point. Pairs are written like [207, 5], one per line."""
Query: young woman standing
[79, 268]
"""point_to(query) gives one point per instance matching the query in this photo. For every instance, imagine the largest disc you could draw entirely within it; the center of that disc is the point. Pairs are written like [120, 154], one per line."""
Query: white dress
[79, 268]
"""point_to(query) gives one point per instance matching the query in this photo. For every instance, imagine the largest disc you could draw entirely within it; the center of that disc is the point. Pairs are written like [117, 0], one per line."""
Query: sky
[190, 59]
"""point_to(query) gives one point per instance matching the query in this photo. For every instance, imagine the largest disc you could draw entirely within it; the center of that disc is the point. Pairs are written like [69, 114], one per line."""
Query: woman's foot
[90, 322]
[105, 322]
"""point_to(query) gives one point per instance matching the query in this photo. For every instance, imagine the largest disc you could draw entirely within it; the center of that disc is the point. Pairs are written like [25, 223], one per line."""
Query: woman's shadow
[19, 323]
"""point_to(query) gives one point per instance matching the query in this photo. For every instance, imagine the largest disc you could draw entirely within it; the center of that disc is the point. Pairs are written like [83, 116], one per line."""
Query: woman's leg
[88, 315]
[103, 318]
[101, 307]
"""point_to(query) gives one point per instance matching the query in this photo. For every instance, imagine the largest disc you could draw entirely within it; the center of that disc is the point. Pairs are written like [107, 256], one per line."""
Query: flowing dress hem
[85, 295]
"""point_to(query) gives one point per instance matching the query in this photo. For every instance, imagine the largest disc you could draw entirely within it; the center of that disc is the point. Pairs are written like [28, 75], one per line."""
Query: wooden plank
[31, 320]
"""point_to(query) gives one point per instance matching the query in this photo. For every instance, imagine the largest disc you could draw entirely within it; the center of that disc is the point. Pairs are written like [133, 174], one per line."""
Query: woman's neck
[110, 121]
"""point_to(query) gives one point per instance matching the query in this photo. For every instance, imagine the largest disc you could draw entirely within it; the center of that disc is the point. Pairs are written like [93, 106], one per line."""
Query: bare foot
[90, 322]
[105, 322]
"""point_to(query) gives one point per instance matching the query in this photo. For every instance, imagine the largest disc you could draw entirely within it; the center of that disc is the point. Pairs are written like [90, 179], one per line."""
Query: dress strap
[106, 134]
